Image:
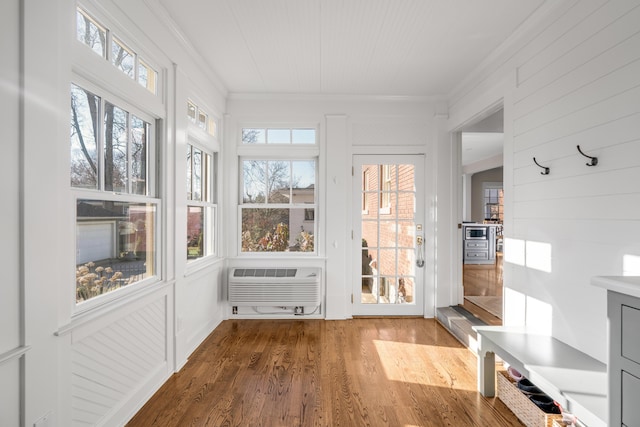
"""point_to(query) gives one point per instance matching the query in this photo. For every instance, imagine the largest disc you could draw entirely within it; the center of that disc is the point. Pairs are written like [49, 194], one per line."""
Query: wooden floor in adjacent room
[485, 281]
[360, 372]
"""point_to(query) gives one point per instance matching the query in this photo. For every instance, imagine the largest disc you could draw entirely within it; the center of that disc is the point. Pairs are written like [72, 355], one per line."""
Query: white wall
[11, 309]
[347, 125]
[59, 363]
[574, 81]
[571, 79]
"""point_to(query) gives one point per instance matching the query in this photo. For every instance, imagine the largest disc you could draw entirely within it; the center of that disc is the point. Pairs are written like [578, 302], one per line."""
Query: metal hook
[594, 160]
[546, 169]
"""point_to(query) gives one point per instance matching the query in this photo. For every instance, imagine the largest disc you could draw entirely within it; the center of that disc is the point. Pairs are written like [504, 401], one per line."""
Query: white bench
[572, 378]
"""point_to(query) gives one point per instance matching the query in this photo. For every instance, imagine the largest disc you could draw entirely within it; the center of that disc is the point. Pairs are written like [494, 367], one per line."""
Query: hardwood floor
[483, 280]
[360, 372]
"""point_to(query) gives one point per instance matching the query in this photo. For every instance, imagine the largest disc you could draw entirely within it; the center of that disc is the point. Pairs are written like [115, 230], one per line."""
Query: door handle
[420, 250]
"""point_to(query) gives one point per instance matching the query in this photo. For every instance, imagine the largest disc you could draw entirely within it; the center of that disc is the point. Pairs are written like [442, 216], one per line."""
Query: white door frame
[457, 205]
[421, 290]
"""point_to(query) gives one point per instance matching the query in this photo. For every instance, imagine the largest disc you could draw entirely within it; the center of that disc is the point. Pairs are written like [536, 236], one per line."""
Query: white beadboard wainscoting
[118, 358]
[111, 365]
[10, 394]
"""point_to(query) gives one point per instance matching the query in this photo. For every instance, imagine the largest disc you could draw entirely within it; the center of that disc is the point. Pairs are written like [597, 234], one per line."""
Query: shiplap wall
[576, 82]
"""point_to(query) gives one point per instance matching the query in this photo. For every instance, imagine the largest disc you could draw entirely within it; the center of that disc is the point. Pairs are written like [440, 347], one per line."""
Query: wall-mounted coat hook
[594, 160]
[546, 169]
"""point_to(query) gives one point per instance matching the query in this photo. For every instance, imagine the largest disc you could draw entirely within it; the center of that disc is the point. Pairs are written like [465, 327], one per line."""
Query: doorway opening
[481, 166]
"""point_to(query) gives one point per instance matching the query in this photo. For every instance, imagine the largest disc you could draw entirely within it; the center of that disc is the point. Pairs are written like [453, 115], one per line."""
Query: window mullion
[107, 47]
[129, 153]
[100, 145]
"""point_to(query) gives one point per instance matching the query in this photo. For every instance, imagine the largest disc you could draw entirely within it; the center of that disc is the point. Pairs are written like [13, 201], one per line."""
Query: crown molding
[539, 18]
[331, 97]
[165, 18]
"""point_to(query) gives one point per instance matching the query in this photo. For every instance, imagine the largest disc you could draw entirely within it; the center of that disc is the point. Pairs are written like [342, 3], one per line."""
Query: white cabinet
[624, 359]
[623, 306]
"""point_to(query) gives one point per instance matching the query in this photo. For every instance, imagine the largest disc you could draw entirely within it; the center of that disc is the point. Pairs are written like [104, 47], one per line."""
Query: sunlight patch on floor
[419, 363]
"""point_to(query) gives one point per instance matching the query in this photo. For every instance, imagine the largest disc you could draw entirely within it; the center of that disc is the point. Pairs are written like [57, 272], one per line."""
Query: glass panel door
[388, 235]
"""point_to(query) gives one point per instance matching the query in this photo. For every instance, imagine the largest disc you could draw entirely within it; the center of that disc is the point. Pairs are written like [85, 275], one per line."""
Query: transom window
[278, 136]
[198, 117]
[278, 201]
[97, 36]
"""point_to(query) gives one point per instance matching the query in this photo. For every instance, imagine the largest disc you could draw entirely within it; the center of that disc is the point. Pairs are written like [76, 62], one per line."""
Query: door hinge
[353, 171]
[351, 298]
[351, 234]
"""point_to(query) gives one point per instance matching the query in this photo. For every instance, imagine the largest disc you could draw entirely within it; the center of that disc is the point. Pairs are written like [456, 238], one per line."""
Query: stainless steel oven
[475, 233]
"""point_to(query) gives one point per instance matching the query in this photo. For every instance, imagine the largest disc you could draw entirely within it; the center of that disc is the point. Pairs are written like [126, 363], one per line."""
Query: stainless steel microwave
[475, 233]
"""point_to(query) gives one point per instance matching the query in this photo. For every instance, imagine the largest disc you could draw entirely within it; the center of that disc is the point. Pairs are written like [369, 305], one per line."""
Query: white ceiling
[481, 146]
[346, 47]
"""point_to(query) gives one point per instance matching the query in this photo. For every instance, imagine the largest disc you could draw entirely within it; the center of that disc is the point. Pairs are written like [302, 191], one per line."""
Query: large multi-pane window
[278, 204]
[201, 202]
[113, 155]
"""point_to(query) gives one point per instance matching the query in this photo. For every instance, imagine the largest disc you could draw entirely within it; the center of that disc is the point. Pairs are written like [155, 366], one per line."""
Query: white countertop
[628, 285]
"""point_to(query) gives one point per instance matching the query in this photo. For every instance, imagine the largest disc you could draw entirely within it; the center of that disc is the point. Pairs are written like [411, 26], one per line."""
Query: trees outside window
[279, 200]
[112, 160]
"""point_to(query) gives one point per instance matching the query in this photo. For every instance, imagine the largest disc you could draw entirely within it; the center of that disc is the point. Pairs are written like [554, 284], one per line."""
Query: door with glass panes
[388, 231]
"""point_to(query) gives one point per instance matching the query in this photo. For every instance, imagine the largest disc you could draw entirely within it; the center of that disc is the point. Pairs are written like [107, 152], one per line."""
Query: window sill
[200, 264]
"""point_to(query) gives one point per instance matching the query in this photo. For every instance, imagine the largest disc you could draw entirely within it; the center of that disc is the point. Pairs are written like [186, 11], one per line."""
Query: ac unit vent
[275, 287]
[265, 272]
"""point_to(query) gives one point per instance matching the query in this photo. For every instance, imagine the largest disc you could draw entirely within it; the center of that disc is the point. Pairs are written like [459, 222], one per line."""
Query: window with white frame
[112, 172]
[201, 202]
[113, 176]
[98, 37]
[198, 117]
[278, 204]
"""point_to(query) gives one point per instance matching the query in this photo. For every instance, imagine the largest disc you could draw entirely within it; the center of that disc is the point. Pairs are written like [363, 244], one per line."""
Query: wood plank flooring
[483, 280]
[360, 372]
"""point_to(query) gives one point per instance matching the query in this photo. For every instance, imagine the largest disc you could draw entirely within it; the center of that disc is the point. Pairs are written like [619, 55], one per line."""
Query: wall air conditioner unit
[274, 287]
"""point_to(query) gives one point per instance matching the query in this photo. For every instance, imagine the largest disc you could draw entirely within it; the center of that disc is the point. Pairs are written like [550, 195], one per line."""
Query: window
[122, 57]
[91, 33]
[112, 156]
[201, 205]
[115, 245]
[385, 187]
[278, 204]
[198, 117]
[493, 202]
[97, 36]
[278, 136]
